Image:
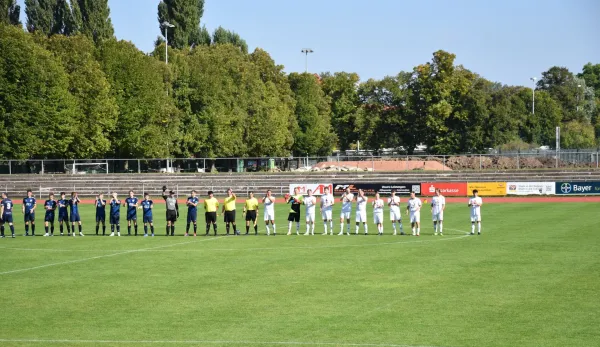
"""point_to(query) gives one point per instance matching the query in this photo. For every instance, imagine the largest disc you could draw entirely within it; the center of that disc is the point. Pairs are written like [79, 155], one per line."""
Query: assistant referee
[251, 210]
[229, 211]
[211, 205]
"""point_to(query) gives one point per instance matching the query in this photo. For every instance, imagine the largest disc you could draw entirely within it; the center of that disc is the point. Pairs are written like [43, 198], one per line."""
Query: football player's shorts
[361, 216]
[415, 217]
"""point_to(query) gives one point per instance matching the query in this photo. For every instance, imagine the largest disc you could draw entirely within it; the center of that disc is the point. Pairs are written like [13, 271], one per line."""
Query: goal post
[87, 168]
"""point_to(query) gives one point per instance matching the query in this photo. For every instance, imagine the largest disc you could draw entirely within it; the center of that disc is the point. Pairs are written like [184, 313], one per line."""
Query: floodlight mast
[306, 51]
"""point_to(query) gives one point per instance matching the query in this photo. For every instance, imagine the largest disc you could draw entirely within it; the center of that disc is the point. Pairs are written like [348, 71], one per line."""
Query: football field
[531, 279]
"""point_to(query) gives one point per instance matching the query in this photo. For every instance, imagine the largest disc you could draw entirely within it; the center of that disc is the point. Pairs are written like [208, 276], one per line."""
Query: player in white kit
[310, 202]
[438, 205]
[395, 214]
[326, 209]
[378, 213]
[346, 200]
[475, 204]
[269, 201]
[361, 211]
[414, 207]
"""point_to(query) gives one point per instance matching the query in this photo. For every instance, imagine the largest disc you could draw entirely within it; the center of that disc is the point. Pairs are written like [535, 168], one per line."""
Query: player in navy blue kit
[192, 216]
[50, 207]
[29, 205]
[132, 203]
[6, 215]
[74, 209]
[115, 215]
[100, 213]
[147, 206]
[63, 214]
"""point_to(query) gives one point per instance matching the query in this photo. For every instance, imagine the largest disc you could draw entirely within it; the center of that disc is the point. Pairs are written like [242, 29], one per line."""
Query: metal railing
[359, 162]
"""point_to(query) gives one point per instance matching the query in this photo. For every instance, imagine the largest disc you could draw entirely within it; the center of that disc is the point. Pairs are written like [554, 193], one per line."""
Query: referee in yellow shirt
[251, 211]
[229, 212]
[211, 205]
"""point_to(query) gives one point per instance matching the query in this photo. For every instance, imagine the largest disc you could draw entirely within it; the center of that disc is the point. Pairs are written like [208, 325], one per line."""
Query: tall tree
[40, 15]
[314, 135]
[591, 75]
[224, 36]
[37, 112]
[569, 91]
[148, 121]
[381, 121]
[76, 15]
[10, 12]
[575, 134]
[185, 15]
[342, 89]
[95, 19]
[97, 109]
[50, 17]
[64, 22]
[435, 87]
[273, 111]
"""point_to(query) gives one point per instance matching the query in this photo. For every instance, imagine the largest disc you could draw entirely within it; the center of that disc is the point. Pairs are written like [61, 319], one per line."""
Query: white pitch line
[243, 249]
[99, 257]
[214, 342]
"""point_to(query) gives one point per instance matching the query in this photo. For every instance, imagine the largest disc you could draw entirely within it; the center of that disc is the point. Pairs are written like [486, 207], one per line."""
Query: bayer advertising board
[577, 188]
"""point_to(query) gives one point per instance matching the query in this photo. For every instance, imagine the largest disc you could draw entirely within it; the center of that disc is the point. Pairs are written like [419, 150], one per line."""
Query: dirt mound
[383, 165]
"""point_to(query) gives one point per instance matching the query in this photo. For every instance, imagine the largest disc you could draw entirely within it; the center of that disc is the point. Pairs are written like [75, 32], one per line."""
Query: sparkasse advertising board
[530, 188]
[577, 188]
[446, 188]
[317, 188]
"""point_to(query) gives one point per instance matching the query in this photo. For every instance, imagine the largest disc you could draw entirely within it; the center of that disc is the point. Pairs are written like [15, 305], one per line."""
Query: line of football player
[69, 217]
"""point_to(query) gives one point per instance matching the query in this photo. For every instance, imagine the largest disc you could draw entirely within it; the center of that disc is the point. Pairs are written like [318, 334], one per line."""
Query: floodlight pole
[167, 25]
[578, 87]
[306, 51]
[533, 90]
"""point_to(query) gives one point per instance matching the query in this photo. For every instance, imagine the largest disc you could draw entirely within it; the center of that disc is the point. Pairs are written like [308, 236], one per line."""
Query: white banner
[530, 188]
[317, 188]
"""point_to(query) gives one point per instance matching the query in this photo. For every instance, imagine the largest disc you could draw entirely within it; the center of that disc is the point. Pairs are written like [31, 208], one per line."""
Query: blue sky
[506, 41]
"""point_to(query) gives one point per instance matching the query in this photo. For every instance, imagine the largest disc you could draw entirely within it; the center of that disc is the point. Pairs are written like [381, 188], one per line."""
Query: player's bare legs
[365, 226]
[272, 223]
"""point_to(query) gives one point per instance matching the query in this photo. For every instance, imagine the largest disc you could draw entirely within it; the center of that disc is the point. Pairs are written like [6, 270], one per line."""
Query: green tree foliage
[185, 15]
[40, 16]
[566, 89]
[591, 75]
[230, 109]
[64, 22]
[148, 121]
[314, 135]
[89, 95]
[278, 107]
[10, 12]
[76, 15]
[97, 110]
[224, 36]
[576, 134]
[342, 89]
[438, 88]
[37, 113]
[95, 19]
[50, 17]
[381, 121]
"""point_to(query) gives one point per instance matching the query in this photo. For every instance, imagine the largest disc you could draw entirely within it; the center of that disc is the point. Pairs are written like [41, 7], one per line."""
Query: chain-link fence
[359, 162]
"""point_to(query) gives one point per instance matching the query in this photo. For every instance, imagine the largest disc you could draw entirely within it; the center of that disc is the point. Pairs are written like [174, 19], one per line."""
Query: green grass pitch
[531, 279]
